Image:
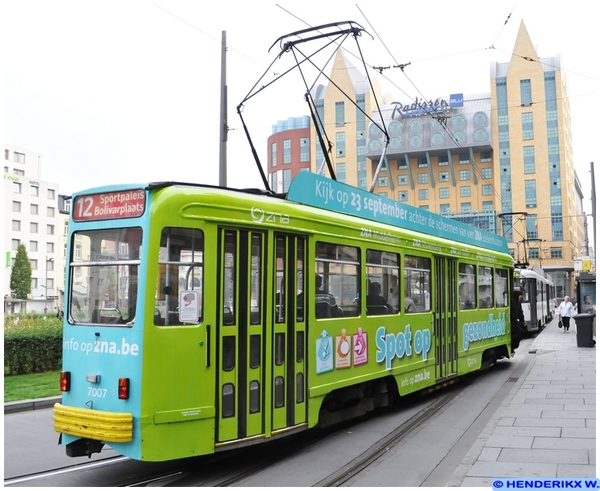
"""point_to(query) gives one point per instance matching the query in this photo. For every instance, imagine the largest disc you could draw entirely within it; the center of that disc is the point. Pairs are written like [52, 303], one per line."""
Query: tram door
[289, 333]
[255, 355]
[445, 318]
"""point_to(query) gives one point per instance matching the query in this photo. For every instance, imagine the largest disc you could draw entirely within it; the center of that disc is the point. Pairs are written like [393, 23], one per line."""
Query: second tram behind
[538, 296]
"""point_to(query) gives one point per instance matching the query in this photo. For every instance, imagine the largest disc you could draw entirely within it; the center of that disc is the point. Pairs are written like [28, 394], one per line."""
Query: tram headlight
[124, 388]
[65, 381]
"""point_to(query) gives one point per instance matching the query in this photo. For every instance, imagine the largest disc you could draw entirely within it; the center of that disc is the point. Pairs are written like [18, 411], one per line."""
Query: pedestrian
[518, 325]
[565, 310]
[60, 314]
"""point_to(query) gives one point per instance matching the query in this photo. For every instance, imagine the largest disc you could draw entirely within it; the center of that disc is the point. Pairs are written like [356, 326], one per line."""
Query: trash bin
[585, 330]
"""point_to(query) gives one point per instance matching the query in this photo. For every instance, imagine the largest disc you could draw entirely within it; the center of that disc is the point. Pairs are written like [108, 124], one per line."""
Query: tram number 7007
[96, 392]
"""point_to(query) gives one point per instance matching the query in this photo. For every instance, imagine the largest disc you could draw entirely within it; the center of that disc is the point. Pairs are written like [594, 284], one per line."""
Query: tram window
[299, 388]
[180, 270]
[279, 391]
[417, 284]
[228, 353]
[382, 288]
[467, 286]
[280, 280]
[486, 287]
[256, 281]
[279, 348]
[300, 280]
[228, 397]
[254, 351]
[254, 397]
[337, 269]
[501, 290]
[104, 289]
[299, 346]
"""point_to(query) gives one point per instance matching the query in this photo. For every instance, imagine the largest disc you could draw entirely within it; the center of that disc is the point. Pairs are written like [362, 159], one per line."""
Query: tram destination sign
[314, 190]
[109, 205]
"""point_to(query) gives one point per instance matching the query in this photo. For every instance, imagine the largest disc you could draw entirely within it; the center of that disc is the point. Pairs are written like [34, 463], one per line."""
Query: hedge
[32, 344]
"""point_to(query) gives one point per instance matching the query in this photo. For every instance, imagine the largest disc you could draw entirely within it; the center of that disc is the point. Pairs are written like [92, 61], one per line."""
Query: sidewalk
[546, 427]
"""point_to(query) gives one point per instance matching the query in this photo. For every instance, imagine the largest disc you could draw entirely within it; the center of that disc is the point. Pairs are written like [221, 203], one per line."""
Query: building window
[35, 191]
[34, 209]
[19, 157]
[16, 225]
[530, 193]
[443, 176]
[402, 179]
[556, 252]
[17, 187]
[402, 196]
[465, 175]
[526, 93]
[51, 193]
[487, 206]
[50, 229]
[527, 126]
[304, 150]
[16, 207]
[15, 244]
[287, 151]
[18, 172]
[273, 154]
[529, 159]
[423, 194]
[402, 164]
[340, 172]
[486, 173]
[444, 192]
[486, 190]
[532, 226]
[443, 161]
[33, 246]
[340, 119]
[486, 156]
[287, 179]
[534, 253]
[444, 209]
[423, 178]
[424, 207]
[382, 182]
[465, 208]
[464, 158]
[50, 211]
[49, 246]
[422, 162]
[33, 228]
[340, 144]
[465, 191]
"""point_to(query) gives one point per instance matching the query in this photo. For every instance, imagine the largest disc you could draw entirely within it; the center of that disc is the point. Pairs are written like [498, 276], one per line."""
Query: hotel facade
[501, 161]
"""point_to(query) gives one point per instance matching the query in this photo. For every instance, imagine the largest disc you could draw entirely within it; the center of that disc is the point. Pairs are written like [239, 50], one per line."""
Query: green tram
[200, 318]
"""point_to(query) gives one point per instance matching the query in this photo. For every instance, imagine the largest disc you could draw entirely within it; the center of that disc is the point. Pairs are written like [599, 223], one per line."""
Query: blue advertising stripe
[314, 190]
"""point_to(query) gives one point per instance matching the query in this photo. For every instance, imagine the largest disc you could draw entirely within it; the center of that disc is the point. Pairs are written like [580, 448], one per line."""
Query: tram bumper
[93, 427]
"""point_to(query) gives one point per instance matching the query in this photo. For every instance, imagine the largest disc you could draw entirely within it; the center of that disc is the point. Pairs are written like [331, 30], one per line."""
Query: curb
[31, 404]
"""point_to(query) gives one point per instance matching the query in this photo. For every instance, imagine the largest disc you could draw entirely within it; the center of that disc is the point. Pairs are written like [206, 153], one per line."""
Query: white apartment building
[32, 218]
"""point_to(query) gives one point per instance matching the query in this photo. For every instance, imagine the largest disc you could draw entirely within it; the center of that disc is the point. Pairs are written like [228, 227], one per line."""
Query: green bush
[32, 344]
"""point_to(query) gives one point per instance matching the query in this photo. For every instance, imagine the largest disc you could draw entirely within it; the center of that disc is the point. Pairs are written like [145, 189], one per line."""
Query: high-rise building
[31, 217]
[501, 161]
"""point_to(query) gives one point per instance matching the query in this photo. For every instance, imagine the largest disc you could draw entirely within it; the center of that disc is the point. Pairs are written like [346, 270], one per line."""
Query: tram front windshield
[104, 276]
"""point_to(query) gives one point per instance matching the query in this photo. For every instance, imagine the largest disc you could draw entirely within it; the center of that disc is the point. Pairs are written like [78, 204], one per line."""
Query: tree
[20, 276]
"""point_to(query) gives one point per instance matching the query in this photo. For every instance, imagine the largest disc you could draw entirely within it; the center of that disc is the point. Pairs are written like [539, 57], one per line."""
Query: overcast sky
[128, 91]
